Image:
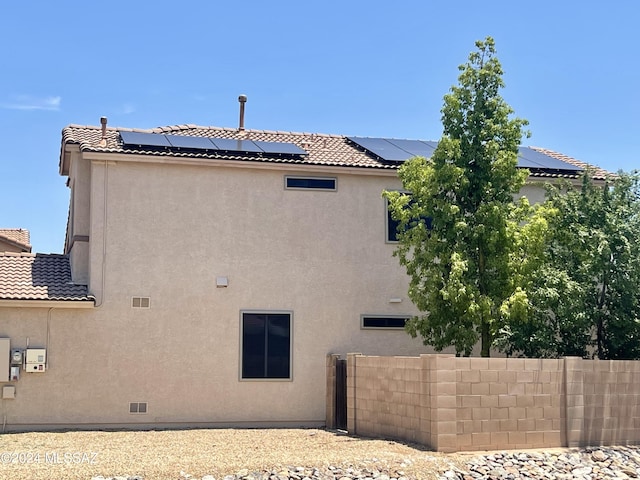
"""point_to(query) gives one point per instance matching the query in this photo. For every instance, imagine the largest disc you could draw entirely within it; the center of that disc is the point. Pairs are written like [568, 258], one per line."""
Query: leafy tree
[583, 274]
[458, 261]
[553, 323]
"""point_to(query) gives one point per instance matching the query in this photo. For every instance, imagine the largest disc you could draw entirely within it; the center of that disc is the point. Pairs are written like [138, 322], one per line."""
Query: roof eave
[90, 303]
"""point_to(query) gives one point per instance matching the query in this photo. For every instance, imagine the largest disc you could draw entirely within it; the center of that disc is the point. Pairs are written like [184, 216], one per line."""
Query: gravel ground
[178, 454]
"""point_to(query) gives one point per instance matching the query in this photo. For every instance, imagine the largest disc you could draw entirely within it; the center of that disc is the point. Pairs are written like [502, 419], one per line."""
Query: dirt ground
[170, 454]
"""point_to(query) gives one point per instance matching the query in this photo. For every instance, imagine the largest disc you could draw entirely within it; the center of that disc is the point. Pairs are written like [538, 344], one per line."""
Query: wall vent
[140, 302]
[138, 407]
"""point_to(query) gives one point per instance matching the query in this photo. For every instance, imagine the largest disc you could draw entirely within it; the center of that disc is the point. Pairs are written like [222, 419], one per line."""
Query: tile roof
[16, 236]
[38, 276]
[323, 149]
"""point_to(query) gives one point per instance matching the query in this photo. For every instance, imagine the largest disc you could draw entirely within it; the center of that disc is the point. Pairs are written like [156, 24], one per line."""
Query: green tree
[581, 272]
[553, 322]
[458, 261]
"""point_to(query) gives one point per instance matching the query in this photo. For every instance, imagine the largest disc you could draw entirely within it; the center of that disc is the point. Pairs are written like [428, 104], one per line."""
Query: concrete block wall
[603, 402]
[508, 403]
[457, 404]
[388, 396]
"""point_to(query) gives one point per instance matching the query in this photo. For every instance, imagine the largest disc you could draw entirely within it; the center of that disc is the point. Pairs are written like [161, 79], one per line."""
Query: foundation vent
[138, 407]
[141, 302]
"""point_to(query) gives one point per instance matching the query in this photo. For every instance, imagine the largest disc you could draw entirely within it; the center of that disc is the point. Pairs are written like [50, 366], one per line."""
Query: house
[14, 240]
[206, 275]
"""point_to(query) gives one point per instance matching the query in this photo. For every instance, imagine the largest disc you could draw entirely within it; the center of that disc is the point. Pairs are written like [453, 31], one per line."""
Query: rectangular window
[266, 345]
[392, 225]
[384, 321]
[313, 183]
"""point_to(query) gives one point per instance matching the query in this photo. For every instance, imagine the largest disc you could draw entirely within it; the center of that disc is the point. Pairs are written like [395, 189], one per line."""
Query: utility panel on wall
[35, 360]
[5, 349]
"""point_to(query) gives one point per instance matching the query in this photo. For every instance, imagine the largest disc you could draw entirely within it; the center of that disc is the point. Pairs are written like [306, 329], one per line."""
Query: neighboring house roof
[322, 149]
[38, 276]
[19, 237]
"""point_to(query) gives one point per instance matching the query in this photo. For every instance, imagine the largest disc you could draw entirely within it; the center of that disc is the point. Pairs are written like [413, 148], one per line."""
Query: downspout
[104, 235]
[48, 336]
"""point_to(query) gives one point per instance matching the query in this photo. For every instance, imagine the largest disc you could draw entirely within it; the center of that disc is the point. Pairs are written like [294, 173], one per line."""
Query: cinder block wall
[603, 402]
[508, 403]
[389, 396]
[456, 404]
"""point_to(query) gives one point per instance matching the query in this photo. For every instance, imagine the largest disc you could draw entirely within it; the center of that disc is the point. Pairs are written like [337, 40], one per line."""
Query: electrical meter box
[35, 360]
[16, 357]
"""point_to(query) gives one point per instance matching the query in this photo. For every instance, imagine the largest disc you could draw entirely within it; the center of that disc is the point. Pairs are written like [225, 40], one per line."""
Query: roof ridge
[192, 126]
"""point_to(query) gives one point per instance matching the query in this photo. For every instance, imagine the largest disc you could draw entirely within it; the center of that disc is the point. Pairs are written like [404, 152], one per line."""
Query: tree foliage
[458, 262]
[584, 292]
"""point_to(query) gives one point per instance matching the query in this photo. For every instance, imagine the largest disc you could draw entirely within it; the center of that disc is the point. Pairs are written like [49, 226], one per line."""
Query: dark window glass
[266, 345]
[392, 226]
[383, 322]
[319, 183]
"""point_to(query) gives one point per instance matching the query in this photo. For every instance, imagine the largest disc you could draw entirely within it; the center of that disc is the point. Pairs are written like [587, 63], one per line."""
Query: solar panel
[195, 143]
[381, 148]
[230, 145]
[543, 161]
[280, 147]
[144, 139]
[416, 148]
[524, 163]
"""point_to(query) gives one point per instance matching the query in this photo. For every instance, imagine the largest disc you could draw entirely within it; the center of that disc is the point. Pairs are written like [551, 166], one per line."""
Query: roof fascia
[48, 303]
[250, 164]
[65, 157]
[25, 247]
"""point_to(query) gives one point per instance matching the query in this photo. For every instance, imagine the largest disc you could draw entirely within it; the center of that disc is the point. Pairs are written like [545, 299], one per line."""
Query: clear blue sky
[369, 68]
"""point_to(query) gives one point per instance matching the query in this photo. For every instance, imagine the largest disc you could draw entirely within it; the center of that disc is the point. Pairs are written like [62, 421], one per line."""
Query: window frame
[390, 219]
[376, 315]
[310, 177]
[241, 345]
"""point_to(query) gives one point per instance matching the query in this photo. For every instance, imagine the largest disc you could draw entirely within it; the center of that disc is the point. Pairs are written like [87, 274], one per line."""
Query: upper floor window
[392, 225]
[310, 183]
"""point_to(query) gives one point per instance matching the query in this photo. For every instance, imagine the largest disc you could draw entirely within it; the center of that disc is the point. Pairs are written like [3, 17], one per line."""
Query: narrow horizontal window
[379, 321]
[312, 183]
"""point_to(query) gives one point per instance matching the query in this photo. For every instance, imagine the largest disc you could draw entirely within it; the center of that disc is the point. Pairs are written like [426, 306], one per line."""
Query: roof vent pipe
[103, 140]
[242, 99]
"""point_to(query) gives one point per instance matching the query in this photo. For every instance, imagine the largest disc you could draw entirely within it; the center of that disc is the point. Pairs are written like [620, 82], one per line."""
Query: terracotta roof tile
[323, 149]
[16, 236]
[597, 172]
[38, 276]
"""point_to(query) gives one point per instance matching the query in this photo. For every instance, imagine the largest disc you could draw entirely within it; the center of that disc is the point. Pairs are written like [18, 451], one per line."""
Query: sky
[351, 67]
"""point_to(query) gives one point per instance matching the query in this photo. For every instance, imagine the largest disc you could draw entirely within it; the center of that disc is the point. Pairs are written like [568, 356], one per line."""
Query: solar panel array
[159, 140]
[397, 150]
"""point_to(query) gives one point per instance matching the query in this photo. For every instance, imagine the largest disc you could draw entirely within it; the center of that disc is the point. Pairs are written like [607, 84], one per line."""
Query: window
[313, 183]
[266, 345]
[392, 225]
[384, 321]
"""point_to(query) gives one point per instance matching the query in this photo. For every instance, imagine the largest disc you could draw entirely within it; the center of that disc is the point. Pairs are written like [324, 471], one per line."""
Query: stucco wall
[170, 231]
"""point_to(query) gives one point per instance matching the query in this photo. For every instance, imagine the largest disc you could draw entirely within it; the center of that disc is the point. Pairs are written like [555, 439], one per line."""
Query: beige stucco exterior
[167, 231]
